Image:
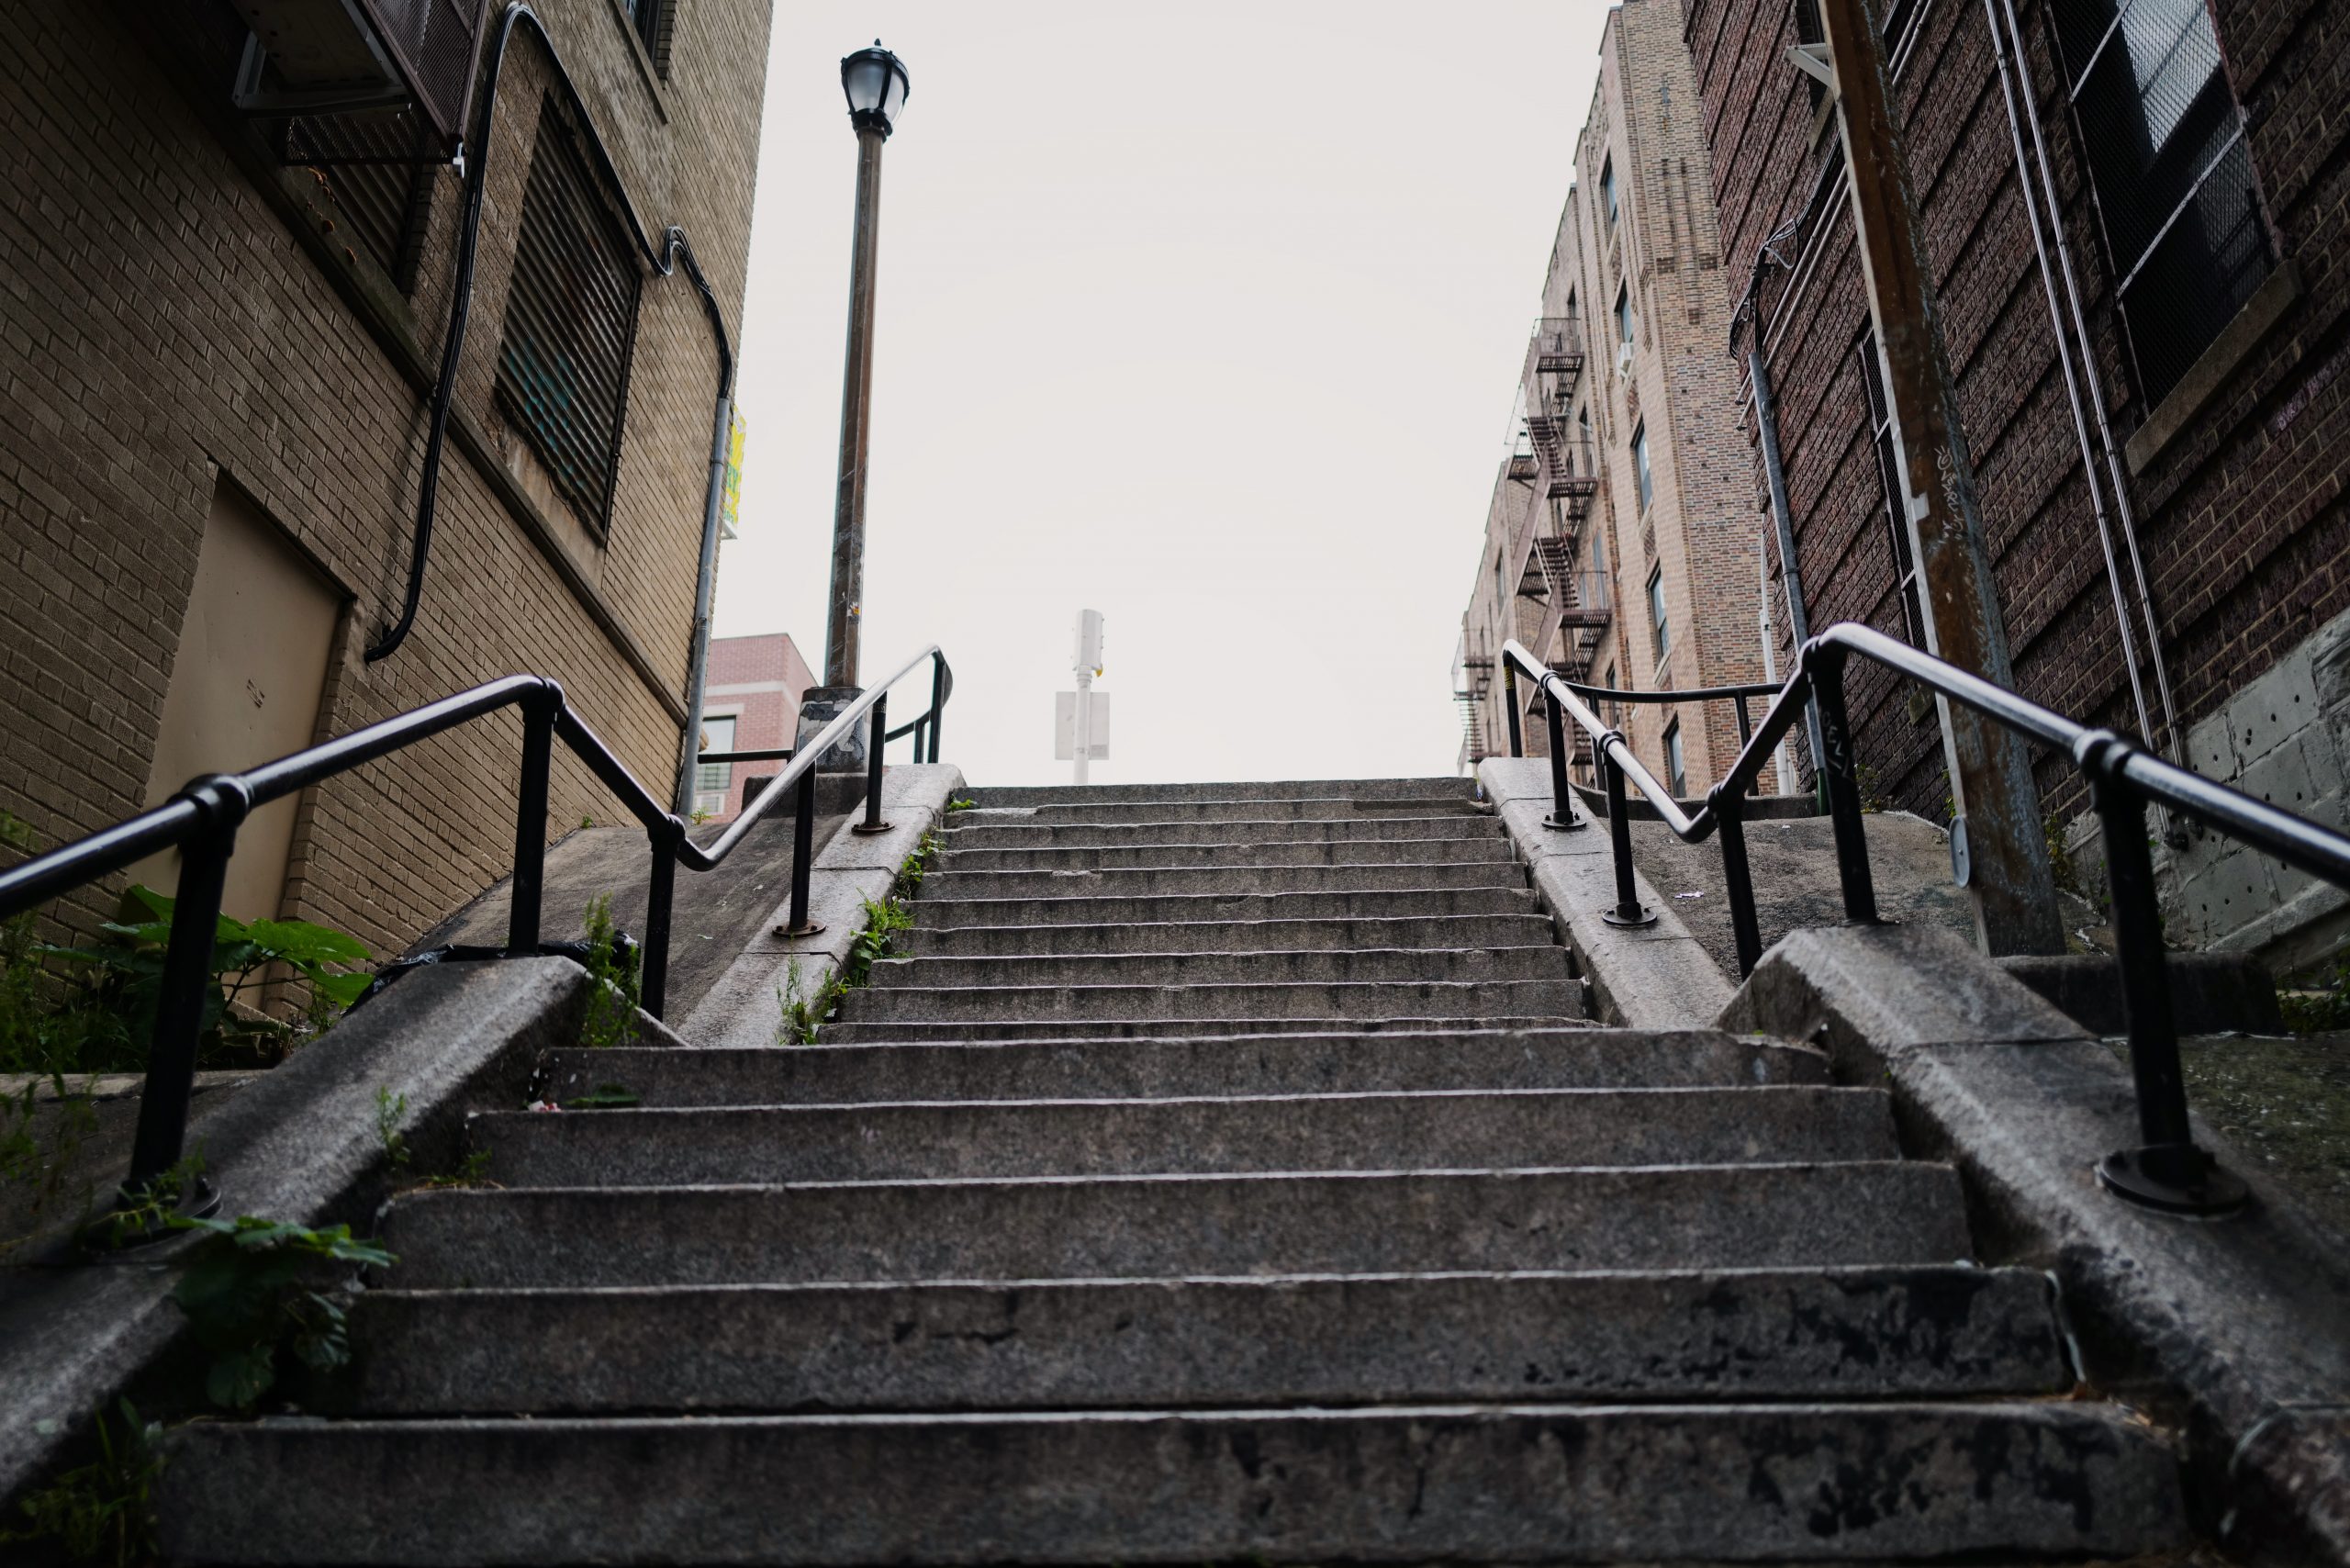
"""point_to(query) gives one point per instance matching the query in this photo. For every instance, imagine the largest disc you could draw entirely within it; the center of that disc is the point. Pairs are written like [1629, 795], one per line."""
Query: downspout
[722, 427]
[2009, 69]
[663, 262]
[1774, 474]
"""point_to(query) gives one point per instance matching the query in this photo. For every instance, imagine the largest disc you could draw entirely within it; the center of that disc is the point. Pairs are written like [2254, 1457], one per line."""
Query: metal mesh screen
[368, 166]
[434, 41]
[2173, 177]
[570, 322]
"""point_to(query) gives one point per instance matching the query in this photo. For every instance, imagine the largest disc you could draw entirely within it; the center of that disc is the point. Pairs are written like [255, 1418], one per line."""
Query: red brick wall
[759, 681]
[2246, 543]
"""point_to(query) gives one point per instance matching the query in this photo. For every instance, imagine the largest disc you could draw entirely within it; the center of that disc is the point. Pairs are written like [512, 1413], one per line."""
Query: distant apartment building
[2134, 223]
[1620, 542]
[755, 685]
[232, 258]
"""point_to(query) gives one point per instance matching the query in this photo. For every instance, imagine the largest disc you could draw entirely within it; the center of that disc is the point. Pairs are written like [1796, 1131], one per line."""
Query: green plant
[23, 1158]
[699, 815]
[960, 805]
[803, 1013]
[883, 921]
[102, 1511]
[390, 1111]
[605, 1097]
[122, 983]
[2062, 869]
[256, 1291]
[473, 1170]
[1864, 784]
[2318, 1012]
[612, 973]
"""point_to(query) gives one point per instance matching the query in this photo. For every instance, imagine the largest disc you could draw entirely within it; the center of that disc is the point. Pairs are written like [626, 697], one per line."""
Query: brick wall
[2246, 546]
[178, 314]
[1698, 532]
[758, 681]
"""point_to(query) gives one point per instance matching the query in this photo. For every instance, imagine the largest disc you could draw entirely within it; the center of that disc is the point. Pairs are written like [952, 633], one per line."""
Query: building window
[1641, 475]
[712, 780]
[570, 322]
[1889, 482]
[1660, 629]
[2171, 173]
[1624, 314]
[1608, 186]
[656, 20]
[1676, 775]
[1811, 35]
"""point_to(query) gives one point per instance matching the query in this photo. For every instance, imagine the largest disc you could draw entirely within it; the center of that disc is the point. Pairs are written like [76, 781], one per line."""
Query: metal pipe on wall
[2015, 80]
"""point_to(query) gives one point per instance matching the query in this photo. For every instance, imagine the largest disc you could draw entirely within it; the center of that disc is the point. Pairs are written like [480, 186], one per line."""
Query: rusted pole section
[856, 407]
[1991, 768]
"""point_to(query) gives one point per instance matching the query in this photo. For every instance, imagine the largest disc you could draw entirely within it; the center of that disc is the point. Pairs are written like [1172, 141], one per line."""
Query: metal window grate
[1888, 478]
[570, 322]
[2172, 175]
[656, 23]
[370, 167]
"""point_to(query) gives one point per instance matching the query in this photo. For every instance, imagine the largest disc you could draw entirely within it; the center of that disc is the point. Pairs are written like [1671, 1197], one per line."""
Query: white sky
[1206, 317]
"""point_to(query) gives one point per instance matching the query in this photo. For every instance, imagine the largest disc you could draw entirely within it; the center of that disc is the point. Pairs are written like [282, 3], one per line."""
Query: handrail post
[2168, 1172]
[527, 897]
[660, 901]
[1629, 910]
[1509, 706]
[877, 730]
[1738, 877]
[1563, 800]
[1843, 790]
[937, 702]
[182, 993]
[803, 851]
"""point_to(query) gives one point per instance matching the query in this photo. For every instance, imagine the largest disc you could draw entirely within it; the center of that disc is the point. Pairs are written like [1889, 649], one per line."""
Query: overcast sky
[1206, 317]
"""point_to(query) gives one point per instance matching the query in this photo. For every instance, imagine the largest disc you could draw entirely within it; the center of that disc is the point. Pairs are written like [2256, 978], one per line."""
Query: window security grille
[656, 22]
[368, 167]
[1879, 425]
[713, 779]
[2171, 173]
[570, 323]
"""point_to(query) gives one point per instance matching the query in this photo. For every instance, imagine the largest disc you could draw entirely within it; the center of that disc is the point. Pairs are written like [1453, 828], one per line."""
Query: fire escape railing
[202, 820]
[2168, 1172]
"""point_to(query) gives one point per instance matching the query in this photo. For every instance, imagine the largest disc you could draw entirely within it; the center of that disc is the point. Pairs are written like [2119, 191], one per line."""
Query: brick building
[2132, 225]
[1620, 542]
[756, 684]
[222, 329]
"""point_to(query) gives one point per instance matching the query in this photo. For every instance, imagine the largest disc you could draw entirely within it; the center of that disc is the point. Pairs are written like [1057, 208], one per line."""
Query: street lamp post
[875, 82]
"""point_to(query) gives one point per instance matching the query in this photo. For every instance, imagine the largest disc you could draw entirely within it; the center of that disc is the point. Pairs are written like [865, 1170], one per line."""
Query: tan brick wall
[174, 319]
[1700, 528]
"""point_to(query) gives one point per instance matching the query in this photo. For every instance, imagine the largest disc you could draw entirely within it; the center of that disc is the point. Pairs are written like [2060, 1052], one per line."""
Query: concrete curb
[299, 1143]
[746, 1006]
[1654, 977]
[2238, 1328]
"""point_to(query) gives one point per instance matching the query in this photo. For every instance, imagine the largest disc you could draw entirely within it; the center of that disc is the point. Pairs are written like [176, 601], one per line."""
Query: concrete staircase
[1225, 1171]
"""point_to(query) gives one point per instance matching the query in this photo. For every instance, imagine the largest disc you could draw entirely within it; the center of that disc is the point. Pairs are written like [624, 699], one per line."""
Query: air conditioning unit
[325, 57]
[1623, 359]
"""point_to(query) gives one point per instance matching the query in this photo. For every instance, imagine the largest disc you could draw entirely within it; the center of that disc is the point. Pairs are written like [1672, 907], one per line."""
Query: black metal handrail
[2168, 1172]
[201, 821]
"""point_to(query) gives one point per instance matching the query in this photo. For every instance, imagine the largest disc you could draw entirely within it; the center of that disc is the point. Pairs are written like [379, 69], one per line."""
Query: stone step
[1327, 807]
[1739, 1217]
[1134, 854]
[936, 908]
[1322, 999]
[1221, 880]
[1331, 1339]
[1354, 1062]
[1983, 1481]
[1022, 834]
[958, 1139]
[1547, 961]
[1230, 936]
[916, 1031]
[1359, 790]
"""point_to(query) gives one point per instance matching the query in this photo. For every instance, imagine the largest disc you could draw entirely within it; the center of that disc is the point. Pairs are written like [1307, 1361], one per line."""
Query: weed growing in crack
[102, 1511]
[613, 981]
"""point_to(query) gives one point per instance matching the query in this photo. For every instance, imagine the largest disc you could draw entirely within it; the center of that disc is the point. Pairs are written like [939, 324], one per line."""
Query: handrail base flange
[2132, 1175]
[869, 829]
[1639, 916]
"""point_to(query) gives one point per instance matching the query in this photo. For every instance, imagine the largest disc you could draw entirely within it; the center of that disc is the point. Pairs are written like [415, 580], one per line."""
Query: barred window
[1879, 425]
[2171, 173]
[370, 170]
[570, 322]
[713, 779]
[657, 22]
[1676, 771]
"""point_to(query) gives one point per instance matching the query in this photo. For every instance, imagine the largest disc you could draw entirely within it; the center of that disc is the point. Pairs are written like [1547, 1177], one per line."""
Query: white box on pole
[1065, 726]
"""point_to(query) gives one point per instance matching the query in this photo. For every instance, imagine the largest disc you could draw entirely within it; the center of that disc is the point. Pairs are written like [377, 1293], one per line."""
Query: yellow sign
[730, 495]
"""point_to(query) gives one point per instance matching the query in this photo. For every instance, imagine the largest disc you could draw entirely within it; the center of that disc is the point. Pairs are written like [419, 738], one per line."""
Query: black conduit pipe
[476, 160]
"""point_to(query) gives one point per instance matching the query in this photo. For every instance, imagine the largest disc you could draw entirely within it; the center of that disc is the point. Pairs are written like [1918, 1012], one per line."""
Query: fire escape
[1473, 677]
[1567, 482]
